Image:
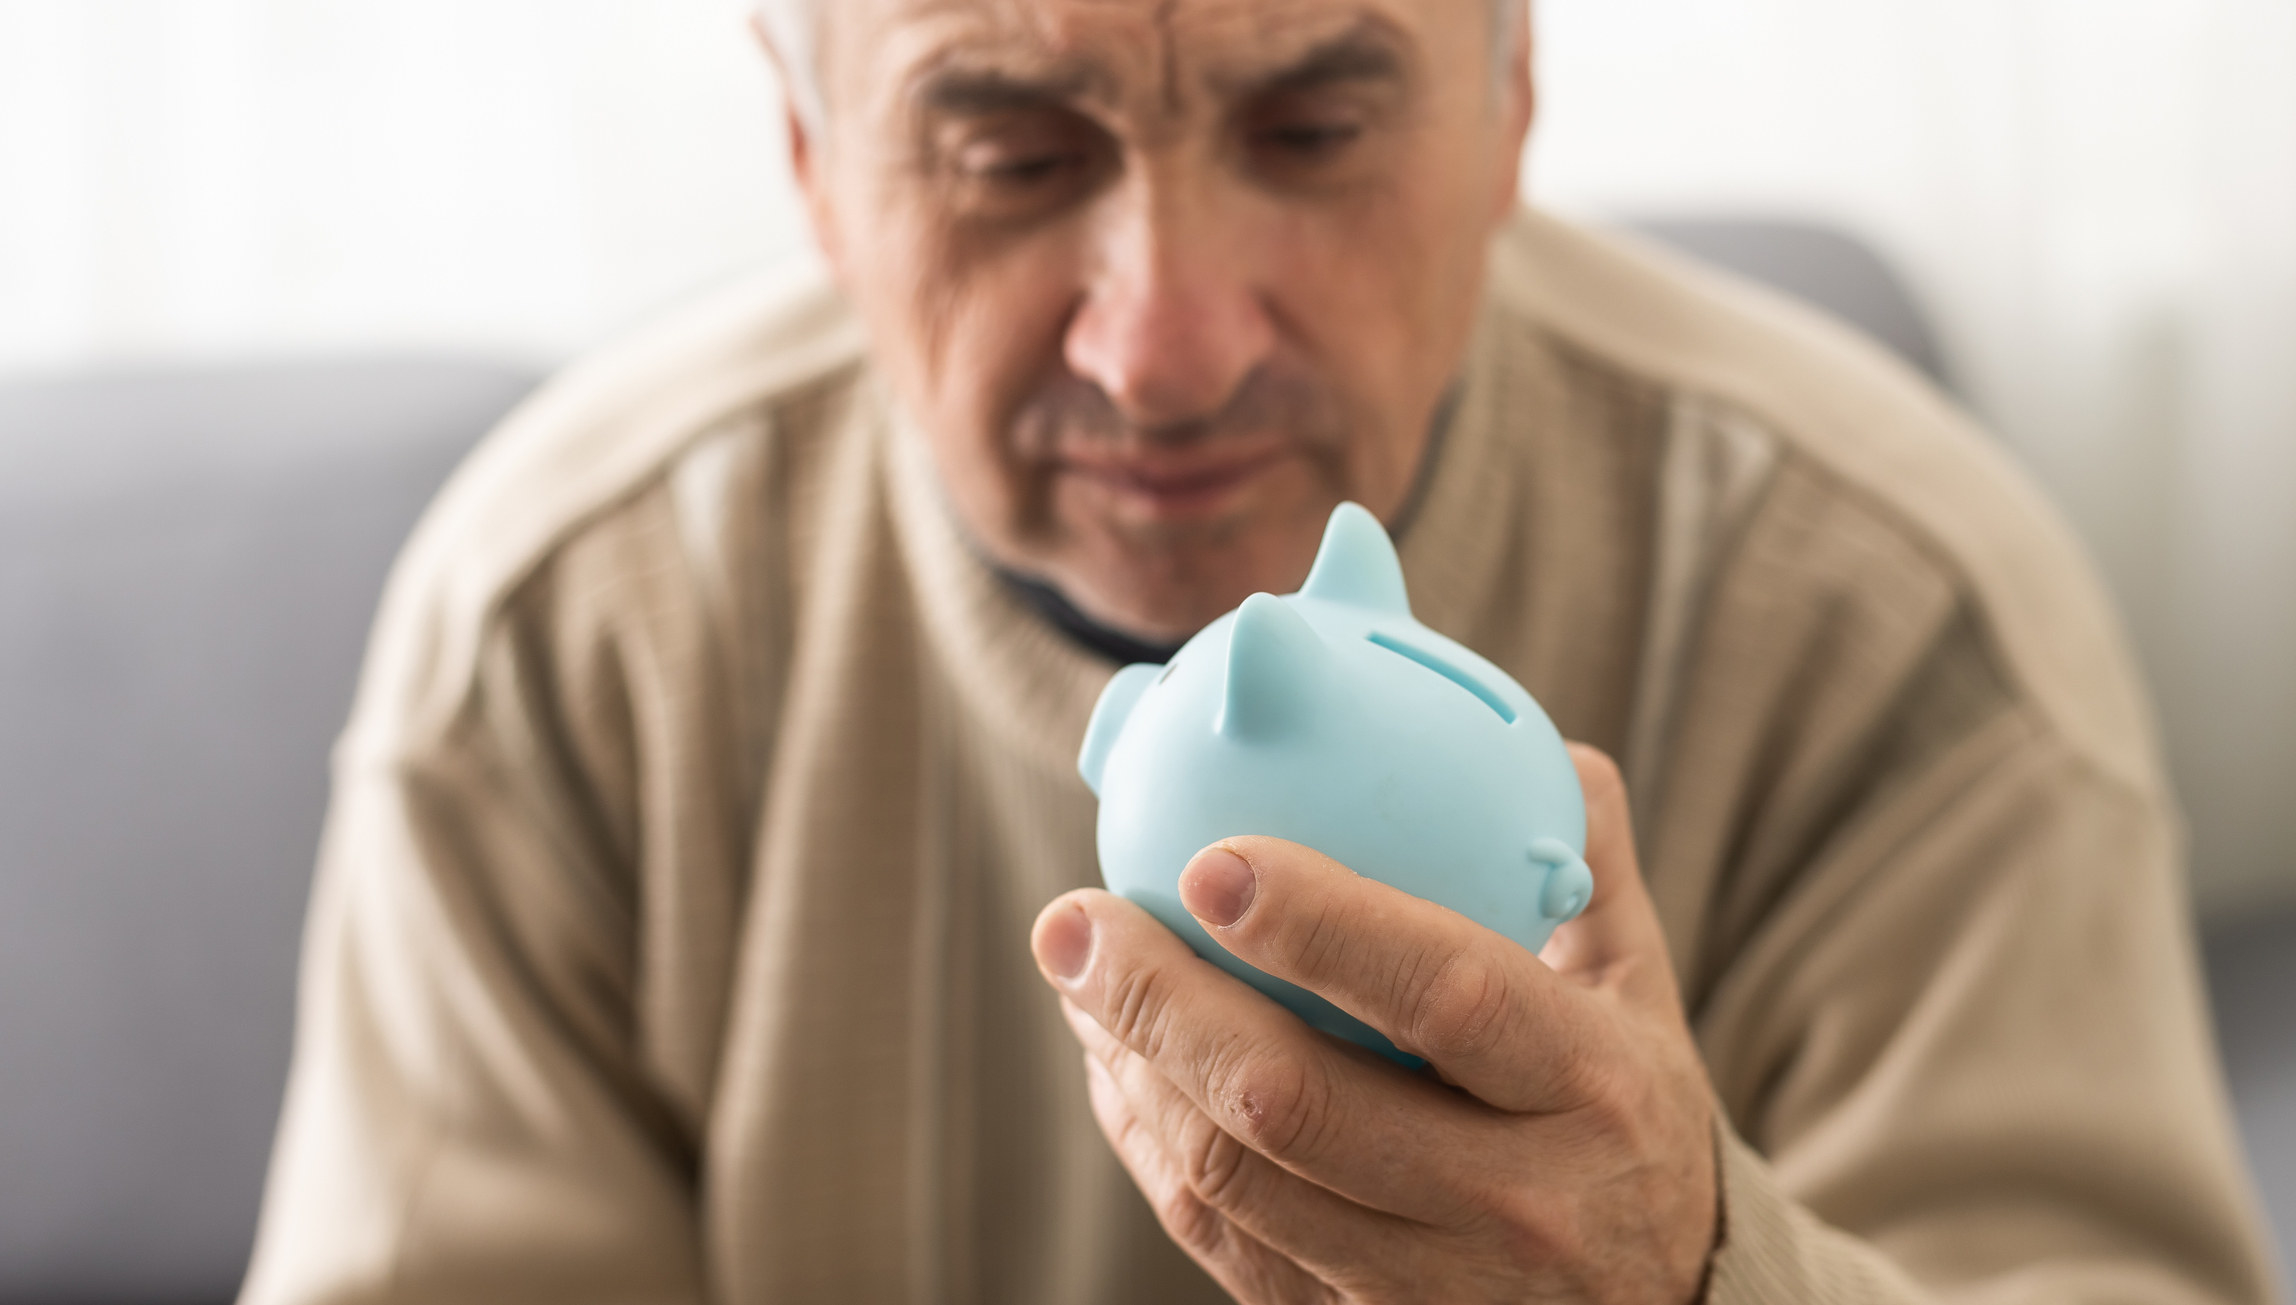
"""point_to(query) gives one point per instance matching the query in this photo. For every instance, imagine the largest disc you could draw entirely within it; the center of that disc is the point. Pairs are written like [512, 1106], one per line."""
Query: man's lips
[1170, 481]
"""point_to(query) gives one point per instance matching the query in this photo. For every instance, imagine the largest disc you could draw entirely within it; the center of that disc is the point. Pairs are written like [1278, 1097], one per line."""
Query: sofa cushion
[189, 560]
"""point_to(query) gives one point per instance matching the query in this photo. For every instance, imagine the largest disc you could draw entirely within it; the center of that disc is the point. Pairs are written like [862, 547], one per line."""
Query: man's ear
[1517, 89]
[805, 151]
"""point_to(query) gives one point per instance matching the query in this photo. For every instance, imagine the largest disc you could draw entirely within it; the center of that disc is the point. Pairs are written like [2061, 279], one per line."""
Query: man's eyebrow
[1366, 52]
[971, 91]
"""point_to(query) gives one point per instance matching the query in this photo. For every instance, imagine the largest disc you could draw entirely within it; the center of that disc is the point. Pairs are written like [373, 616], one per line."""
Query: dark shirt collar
[1054, 607]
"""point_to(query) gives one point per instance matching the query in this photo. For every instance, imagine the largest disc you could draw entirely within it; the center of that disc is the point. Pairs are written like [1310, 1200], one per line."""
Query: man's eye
[1308, 141]
[1023, 165]
[1020, 167]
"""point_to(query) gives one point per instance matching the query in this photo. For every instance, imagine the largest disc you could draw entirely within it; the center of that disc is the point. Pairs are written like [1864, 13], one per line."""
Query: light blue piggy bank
[1332, 718]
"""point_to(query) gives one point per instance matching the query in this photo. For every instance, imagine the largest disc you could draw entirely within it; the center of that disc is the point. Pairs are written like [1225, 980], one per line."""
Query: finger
[1618, 939]
[1484, 1012]
[1248, 1268]
[1306, 1222]
[1361, 1127]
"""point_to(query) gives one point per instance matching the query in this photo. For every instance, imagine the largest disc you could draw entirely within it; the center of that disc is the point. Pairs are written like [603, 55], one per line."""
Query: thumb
[1617, 940]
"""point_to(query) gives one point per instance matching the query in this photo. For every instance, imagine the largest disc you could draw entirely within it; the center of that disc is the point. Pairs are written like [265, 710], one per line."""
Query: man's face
[1163, 281]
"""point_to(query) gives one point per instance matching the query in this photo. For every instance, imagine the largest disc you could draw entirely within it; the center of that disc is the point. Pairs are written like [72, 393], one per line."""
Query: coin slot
[1448, 672]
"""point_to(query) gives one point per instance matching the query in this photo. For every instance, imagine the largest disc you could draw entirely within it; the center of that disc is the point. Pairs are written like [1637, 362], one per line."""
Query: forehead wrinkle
[1300, 47]
[1370, 49]
[983, 60]
[973, 57]
[1168, 56]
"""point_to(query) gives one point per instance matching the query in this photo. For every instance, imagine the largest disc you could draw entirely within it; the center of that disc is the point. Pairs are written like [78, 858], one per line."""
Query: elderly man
[673, 938]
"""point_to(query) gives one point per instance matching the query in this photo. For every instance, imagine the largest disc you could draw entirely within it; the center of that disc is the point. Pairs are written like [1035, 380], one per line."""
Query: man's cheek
[995, 340]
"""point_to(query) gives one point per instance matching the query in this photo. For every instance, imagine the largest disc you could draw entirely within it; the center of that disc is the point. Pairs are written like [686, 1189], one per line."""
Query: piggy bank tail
[1569, 886]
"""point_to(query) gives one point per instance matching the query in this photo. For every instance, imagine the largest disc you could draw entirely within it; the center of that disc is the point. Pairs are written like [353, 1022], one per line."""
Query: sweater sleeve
[468, 1117]
[1969, 1057]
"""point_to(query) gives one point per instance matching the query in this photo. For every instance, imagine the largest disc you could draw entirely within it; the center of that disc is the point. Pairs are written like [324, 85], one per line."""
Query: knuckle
[1612, 1101]
[1133, 1009]
[1281, 1107]
[1634, 1105]
[1125, 1132]
[1318, 941]
[1463, 1007]
[1599, 775]
[1192, 1223]
[1614, 1095]
[1533, 1227]
[1213, 1164]
[1601, 766]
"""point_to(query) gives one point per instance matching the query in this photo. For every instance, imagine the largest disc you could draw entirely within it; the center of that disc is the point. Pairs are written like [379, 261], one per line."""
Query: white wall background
[2096, 198]
[2097, 201]
[228, 175]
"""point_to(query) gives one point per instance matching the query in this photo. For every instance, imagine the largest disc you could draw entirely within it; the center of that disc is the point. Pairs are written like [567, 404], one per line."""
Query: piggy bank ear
[1356, 564]
[1277, 665]
[1108, 717]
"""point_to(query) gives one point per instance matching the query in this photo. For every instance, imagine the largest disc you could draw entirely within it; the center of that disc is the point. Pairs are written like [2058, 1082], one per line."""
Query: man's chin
[1154, 615]
[1162, 575]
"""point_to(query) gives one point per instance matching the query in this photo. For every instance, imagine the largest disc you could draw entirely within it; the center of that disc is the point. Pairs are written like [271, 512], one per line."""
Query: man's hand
[1565, 1155]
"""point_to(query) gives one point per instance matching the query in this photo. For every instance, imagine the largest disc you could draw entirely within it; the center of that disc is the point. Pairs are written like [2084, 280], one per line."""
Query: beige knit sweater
[669, 941]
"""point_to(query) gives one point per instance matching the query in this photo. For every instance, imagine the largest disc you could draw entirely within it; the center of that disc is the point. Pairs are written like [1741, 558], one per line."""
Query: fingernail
[1217, 887]
[1065, 943]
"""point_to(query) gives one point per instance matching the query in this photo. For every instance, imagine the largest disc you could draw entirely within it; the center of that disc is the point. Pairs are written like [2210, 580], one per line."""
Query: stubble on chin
[1066, 419]
[1166, 576]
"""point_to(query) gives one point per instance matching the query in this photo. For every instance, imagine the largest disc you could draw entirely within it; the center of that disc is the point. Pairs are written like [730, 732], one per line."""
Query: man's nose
[1173, 322]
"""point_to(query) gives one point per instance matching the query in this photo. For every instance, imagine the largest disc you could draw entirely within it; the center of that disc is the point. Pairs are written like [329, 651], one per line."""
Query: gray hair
[794, 27]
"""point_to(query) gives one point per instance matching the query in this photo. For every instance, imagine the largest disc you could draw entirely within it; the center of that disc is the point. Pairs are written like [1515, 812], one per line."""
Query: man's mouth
[1173, 486]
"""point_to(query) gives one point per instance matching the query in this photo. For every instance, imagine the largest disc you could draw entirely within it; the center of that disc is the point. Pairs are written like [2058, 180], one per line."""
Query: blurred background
[245, 245]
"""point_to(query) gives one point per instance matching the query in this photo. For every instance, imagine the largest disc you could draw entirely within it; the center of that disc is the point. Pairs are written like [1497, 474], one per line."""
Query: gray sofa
[188, 563]
[189, 558]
